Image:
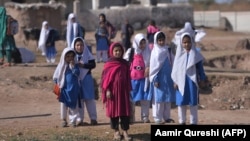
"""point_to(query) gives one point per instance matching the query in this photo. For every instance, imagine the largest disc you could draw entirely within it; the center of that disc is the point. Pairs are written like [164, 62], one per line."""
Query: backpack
[16, 55]
[56, 34]
[137, 67]
[12, 25]
[113, 30]
[81, 32]
[131, 55]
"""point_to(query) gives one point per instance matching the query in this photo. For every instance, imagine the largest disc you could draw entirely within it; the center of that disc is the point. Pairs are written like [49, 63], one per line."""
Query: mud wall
[32, 15]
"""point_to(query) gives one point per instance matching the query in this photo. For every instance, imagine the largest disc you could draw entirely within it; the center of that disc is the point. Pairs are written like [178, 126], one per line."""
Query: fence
[238, 20]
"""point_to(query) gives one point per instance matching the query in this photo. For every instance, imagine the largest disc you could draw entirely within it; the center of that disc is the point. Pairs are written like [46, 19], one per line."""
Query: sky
[223, 1]
[218, 1]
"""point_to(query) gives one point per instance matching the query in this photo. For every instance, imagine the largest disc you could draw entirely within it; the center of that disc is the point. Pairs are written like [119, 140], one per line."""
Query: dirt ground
[30, 111]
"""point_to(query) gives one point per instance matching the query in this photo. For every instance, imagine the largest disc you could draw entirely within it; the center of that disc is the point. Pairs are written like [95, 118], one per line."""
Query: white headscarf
[43, 37]
[187, 28]
[158, 56]
[71, 26]
[199, 35]
[59, 73]
[145, 52]
[185, 66]
[85, 56]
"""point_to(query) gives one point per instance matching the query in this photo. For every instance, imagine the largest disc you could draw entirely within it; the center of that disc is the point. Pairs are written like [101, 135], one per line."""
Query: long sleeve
[200, 71]
[90, 65]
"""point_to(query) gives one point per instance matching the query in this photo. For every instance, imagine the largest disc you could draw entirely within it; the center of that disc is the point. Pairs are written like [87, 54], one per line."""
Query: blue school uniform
[102, 41]
[71, 89]
[87, 88]
[138, 92]
[165, 92]
[191, 96]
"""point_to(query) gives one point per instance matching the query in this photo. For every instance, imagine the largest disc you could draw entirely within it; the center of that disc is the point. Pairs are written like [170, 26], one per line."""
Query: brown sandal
[1, 61]
[6, 65]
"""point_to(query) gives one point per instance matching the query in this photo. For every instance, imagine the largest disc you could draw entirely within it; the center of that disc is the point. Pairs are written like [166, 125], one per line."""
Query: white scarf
[199, 35]
[59, 73]
[43, 37]
[185, 66]
[85, 56]
[71, 26]
[187, 28]
[158, 57]
[145, 53]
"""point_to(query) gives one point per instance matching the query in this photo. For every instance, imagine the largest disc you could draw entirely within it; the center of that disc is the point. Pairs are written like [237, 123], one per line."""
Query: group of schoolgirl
[161, 78]
[73, 75]
[150, 72]
[155, 76]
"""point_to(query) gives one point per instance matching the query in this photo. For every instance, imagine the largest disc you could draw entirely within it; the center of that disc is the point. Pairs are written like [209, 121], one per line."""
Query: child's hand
[71, 64]
[108, 94]
[156, 84]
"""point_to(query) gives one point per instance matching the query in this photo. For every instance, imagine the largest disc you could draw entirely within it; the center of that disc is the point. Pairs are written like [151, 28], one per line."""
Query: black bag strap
[131, 55]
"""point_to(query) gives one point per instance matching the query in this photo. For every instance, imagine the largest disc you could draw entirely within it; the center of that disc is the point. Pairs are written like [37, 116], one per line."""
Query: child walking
[187, 73]
[73, 29]
[116, 87]
[46, 42]
[66, 76]
[139, 56]
[86, 62]
[161, 84]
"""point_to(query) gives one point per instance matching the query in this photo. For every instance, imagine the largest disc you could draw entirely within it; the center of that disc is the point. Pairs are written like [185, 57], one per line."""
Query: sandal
[117, 135]
[126, 136]
[6, 65]
[64, 123]
[146, 120]
[170, 121]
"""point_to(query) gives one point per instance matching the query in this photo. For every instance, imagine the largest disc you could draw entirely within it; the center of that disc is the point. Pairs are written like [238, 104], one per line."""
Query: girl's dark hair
[152, 22]
[77, 39]
[188, 36]
[117, 45]
[160, 35]
[103, 15]
[71, 51]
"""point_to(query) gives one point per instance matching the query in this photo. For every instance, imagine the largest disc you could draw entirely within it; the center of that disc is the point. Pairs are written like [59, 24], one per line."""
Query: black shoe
[170, 121]
[93, 122]
[80, 123]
